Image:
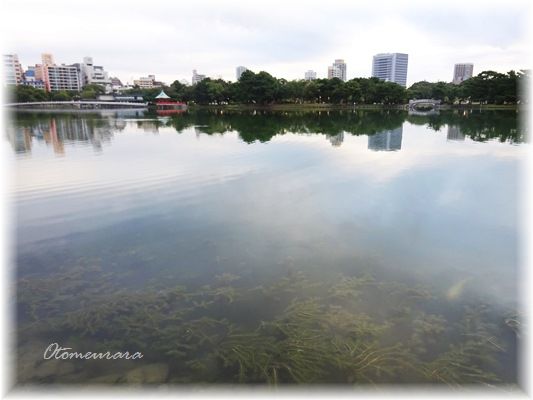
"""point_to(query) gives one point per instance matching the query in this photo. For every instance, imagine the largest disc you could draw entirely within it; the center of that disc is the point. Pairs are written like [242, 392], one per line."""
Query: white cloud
[170, 39]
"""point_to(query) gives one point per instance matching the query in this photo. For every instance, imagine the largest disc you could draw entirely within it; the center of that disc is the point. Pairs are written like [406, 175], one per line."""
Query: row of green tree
[25, 94]
[488, 87]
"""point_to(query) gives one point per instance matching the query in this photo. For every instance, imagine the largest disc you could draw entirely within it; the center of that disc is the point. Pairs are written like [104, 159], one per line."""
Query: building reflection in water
[149, 126]
[336, 140]
[454, 133]
[386, 141]
[56, 131]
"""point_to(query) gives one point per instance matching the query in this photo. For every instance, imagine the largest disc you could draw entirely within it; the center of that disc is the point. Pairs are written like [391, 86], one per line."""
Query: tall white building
[239, 71]
[391, 67]
[462, 72]
[12, 70]
[196, 77]
[337, 70]
[310, 75]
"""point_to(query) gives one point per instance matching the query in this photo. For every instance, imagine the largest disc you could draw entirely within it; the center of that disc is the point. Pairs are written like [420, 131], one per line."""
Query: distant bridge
[77, 104]
[424, 103]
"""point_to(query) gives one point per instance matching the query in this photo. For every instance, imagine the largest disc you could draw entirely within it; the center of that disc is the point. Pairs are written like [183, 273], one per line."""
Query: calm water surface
[262, 247]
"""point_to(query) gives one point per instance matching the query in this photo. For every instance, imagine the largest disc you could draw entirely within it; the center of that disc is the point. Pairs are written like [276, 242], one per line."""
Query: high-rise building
[462, 72]
[197, 77]
[41, 70]
[12, 70]
[337, 70]
[56, 77]
[239, 71]
[62, 77]
[391, 67]
[310, 75]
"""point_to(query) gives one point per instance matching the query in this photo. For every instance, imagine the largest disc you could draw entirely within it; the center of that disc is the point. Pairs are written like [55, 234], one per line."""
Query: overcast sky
[170, 38]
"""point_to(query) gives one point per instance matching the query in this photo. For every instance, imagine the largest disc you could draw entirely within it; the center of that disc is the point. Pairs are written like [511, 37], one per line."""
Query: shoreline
[328, 107]
[280, 107]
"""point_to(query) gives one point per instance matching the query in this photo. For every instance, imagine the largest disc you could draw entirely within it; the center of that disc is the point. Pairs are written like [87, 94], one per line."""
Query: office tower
[337, 70]
[310, 75]
[462, 72]
[391, 67]
[197, 77]
[239, 71]
[12, 70]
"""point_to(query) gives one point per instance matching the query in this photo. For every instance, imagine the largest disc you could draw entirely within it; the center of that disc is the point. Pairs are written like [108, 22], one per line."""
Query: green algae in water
[347, 330]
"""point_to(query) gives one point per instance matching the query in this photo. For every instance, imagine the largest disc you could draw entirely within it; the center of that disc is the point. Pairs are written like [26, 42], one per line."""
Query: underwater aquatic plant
[351, 330]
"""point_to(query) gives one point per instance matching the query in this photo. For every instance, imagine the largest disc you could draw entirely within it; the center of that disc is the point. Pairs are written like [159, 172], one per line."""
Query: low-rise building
[30, 80]
[148, 82]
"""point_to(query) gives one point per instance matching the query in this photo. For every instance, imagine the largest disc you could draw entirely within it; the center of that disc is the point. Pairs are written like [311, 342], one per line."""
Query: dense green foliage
[23, 94]
[262, 88]
[488, 87]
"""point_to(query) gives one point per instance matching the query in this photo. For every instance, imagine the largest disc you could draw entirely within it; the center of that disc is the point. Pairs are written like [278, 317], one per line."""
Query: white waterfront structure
[337, 70]
[310, 75]
[239, 71]
[462, 72]
[391, 67]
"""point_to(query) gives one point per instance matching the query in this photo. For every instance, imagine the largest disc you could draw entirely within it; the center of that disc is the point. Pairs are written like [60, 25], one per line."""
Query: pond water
[347, 247]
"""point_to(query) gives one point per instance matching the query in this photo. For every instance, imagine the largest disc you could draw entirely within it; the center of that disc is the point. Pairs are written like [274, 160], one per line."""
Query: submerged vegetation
[343, 330]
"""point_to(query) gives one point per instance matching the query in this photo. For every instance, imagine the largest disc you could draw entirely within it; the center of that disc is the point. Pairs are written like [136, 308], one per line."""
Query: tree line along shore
[262, 89]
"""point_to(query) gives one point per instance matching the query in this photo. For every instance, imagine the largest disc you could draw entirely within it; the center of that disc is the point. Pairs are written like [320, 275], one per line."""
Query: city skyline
[214, 39]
